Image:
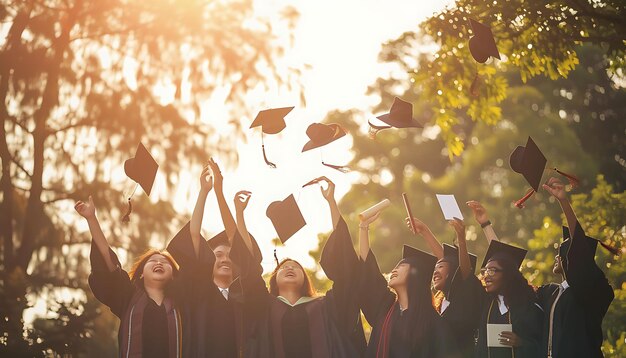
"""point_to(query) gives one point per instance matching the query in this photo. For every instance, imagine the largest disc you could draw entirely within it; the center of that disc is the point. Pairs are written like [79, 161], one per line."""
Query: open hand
[556, 188]
[241, 200]
[217, 174]
[479, 211]
[420, 227]
[206, 180]
[458, 226]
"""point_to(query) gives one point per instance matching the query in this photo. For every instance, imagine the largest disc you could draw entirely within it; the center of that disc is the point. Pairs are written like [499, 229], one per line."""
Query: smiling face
[440, 275]
[399, 275]
[289, 275]
[493, 277]
[158, 269]
[223, 268]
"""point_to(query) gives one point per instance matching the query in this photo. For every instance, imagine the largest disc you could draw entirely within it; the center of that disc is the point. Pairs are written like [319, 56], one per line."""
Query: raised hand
[556, 188]
[479, 211]
[86, 210]
[241, 200]
[420, 227]
[329, 192]
[206, 180]
[217, 175]
[458, 226]
[368, 221]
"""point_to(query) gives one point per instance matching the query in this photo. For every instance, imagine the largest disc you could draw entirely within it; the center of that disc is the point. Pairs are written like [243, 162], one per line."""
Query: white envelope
[449, 206]
[493, 334]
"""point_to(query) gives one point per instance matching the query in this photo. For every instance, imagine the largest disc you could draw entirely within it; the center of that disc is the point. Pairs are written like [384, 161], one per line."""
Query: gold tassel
[612, 249]
[270, 164]
[520, 202]
[340, 168]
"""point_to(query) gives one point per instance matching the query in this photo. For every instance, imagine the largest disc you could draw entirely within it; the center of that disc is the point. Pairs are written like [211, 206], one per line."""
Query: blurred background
[83, 82]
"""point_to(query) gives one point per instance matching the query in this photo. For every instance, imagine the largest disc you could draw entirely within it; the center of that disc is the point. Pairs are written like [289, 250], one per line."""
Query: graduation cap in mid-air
[286, 217]
[142, 169]
[423, 261]
[482, 45]
[498, 250]
[322, 134]
[271, 121]
[400, 116]
[530, 162]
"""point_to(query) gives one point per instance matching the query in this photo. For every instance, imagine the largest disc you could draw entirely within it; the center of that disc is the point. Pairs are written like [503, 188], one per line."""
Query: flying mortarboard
[531, 163]
[142, 169]
[482, 45]
[400, 116]
[322, 134]
[271, 121]
[286, 217]
[499, 250]
[424, 261]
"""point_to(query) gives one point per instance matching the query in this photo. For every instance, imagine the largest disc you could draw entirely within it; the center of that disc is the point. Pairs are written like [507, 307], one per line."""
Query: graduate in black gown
[458, 290]
[144, 299]
[508, 299]
[574, 309]
[216, 328]
[404, 322]
[294, 321]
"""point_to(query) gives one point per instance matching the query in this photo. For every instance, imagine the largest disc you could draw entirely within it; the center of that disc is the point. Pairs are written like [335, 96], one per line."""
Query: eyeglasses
[291, 267]
[489, 271]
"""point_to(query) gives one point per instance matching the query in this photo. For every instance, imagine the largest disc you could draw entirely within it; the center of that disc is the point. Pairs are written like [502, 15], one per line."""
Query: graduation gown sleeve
[112, 288]
[375, 296]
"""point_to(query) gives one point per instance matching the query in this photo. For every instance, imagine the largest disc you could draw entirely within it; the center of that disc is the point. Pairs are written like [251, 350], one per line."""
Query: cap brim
[311, 144]
[499, 249]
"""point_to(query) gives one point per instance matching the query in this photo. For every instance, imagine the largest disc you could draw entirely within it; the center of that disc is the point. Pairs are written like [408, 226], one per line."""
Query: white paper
[493, 334]
[449, 206]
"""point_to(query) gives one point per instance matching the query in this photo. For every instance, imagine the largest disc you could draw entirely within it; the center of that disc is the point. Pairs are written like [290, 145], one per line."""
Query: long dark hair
[515, 287]
[420, 313]
[307, 289]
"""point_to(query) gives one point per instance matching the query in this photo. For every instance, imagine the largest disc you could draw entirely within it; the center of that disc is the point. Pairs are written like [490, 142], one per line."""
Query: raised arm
[241, 202]
[206, 184]
[557, 190]
[424, 231]
[88, 211]
[464, 259]
[230, 226]
[364, 238]
[480, 214]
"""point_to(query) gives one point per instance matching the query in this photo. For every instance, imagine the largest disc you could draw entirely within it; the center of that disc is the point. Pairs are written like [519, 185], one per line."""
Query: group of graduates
[208, 298]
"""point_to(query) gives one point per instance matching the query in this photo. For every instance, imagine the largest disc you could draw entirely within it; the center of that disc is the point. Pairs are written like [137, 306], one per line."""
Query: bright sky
[340, 40]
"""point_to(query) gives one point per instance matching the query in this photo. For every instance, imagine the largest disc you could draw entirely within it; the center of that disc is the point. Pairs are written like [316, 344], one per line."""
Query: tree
[536, 38]
[81, 83]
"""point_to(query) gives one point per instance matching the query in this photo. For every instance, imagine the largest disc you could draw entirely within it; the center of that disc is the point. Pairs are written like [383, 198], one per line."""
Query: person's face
[223, 266]
[493, 277]
[558, 265]
[440, 275]
[157, 269]
[399, 275]
[289, 275]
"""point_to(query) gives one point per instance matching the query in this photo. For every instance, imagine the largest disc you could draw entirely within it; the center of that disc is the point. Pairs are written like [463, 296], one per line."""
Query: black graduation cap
[482, 45]
[400, 116]
[499, 250]
[322, 134]
[271, 121]
[286, 217]
[142, 169]
[451, 255]
[591, 241]
[530, 162]
[219, 239]
[424, 261]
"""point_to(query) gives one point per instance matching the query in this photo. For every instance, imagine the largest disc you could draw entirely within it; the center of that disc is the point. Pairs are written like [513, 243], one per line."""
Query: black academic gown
[325, 327]
[526, 320]
[461, 314]
[379, 304]
[146, 329]
[215, 327]
[577, 318]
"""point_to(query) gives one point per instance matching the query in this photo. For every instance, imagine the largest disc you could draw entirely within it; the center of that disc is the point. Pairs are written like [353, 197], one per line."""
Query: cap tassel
[126, 217]
[612, 249]
[269, 164]
[374, 129]
[520, 202]
[276, 258]
[340, 168]
[475, 86]
[573, 180]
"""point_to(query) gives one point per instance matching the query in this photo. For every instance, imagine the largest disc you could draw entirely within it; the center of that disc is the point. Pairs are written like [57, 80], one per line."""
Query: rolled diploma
[368, 213]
